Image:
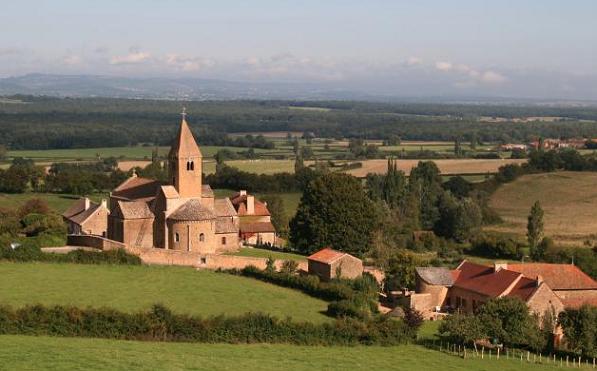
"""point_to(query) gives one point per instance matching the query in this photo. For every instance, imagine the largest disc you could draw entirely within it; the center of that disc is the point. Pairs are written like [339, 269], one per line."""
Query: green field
[262, 253]
[58, 202]
[131, 288]
[133, 153]
[34, 353]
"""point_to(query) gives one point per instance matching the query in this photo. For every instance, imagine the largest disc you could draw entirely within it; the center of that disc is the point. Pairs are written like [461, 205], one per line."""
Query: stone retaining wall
[97, 242]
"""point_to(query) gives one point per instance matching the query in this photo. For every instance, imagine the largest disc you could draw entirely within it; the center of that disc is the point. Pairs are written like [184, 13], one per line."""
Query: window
[202, 237]
[176, 237]
[223, 240]
[203, 260]
[190, 165]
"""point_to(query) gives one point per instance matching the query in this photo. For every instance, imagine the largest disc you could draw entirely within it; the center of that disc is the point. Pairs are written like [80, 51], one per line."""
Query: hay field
[446, 167]
[569, 200]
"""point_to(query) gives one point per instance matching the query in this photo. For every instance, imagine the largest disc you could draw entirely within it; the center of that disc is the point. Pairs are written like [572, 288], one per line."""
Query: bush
[353, 298]
[30, 251]
[492, 246]
[160, 324]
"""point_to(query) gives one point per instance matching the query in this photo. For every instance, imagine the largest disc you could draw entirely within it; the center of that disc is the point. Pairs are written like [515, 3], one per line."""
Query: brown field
[446, 167]
[128, 165]
[569, 200]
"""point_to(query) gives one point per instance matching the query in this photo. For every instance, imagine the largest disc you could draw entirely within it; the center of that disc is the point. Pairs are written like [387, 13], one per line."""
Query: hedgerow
[160, 324]
[351, 298]
[30, 251]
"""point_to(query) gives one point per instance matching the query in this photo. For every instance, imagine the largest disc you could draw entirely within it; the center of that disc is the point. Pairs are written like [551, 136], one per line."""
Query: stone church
[183, 215]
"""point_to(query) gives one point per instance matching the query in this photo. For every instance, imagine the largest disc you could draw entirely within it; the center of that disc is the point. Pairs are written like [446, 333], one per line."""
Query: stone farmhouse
[543, 287]
[87, 217]
[255, 224]
[183, 215]
[328, 264]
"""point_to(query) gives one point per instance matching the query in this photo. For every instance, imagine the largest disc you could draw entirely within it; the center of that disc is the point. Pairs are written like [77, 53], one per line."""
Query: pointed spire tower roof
[185, 144]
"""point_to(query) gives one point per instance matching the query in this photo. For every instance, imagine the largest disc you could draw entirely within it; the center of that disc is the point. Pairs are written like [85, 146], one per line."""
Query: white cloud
[188, 64]
[71, 60]
[131, 58]
[413, 61]
[443, 66]
[492, 77]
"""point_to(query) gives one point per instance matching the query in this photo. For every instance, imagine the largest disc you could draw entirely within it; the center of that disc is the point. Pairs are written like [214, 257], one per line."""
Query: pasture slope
[34, 353]
[132, 288]
[569, 200]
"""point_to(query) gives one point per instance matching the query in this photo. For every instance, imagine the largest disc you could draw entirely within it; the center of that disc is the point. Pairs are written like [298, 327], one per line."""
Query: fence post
[482, 352]
[464, 356]
[498, 353]
[528, 356]
[593, 362]
[567, 356]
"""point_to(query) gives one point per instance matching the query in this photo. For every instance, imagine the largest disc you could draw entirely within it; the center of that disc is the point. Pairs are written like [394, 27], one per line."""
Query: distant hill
[166, 88]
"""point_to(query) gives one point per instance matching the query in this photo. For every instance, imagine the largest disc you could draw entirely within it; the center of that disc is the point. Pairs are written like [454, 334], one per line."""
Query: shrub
[160, 324]
[289, 267]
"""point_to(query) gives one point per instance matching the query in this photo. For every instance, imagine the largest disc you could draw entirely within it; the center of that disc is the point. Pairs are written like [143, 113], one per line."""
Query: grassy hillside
[569, 200]
[263, 253]
[130, 288]
[24, 352]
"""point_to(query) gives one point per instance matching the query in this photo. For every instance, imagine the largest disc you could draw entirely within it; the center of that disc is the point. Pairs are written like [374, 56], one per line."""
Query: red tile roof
[557, 276]
[327, 255]
[77, 214]
[485, 280]
[258, 227]
[136, 188]
[240, 204]
[524, 289]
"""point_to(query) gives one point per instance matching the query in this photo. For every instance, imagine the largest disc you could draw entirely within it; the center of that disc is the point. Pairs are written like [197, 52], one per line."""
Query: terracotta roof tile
[327, 255]
[557, 276]
[223, 207]
[224, 225]
[134, 210]
[258, 227]
[169, 191]
[192, 210]
[240, 204]
[136, 188]
[77, 213]
[524, 289]
[435, 275]
[484, 280]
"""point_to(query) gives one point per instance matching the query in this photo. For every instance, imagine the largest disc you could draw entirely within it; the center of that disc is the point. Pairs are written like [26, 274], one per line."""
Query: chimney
[539, 280]
[243, 192]
[87, 203]
[499, 266]
[250, 204]
[104, 203]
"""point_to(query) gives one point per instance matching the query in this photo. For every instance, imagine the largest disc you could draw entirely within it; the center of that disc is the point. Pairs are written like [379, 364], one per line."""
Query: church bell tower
[185, 162]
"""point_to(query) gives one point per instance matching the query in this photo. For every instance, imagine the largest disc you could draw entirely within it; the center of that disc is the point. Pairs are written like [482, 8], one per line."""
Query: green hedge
[160, 324]
[30, 251]
[349, 298]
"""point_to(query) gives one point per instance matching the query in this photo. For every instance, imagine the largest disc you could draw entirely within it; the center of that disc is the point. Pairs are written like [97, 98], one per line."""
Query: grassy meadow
[33, 353]
[569, 200]
[131, 288]
[263, 253]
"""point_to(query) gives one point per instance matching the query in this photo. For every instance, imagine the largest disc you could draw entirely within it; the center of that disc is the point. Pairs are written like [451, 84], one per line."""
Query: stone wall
[545, 300]
[93, 241]
[204, 261]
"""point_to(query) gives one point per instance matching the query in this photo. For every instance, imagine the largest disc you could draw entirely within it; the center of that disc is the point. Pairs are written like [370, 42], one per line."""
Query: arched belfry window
[202, 237]
[176, 237]
[190, 165]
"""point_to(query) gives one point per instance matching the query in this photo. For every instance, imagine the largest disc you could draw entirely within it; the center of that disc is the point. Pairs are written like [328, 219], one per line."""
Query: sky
[521, 48]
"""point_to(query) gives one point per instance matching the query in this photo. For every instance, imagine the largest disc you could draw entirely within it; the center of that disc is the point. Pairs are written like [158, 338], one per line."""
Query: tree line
[47, 123]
